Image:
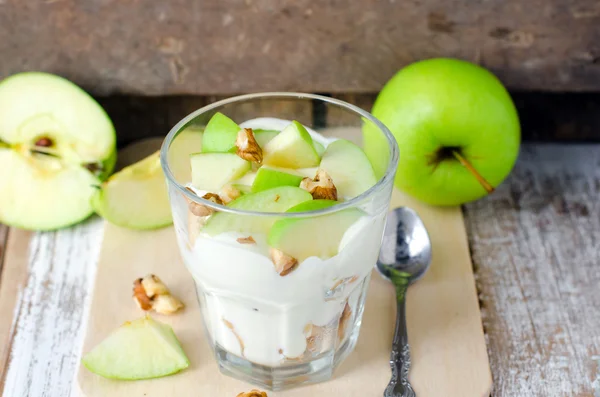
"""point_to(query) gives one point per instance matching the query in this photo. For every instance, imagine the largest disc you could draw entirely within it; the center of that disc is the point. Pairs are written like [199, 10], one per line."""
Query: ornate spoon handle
[400, 358]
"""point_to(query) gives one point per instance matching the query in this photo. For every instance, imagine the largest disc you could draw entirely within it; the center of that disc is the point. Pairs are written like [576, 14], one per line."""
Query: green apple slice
[291, 148]
[57, 143]
[319, 148]
[278, 199]
[268, 178]
[140, 349]
[349, 167]
[135, 197]
[220, 134]
[315, 236]
[264, 136]
[212, 171]
[187, 142]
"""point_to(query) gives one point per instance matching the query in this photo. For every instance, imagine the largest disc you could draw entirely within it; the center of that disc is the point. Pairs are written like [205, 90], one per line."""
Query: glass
[271, 330]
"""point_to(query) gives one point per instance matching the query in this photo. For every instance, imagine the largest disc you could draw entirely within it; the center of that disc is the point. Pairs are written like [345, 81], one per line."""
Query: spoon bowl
[404, 258]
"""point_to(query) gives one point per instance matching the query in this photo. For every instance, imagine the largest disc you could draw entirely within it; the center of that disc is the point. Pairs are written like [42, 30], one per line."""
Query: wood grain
[535, 246]
[447, 340]
[53, 281]
[230, 46]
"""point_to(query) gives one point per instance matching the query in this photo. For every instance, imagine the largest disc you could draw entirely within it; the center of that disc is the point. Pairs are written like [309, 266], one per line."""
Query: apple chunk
[349, 168]
[140, 349]
[291, 148]
[264, 136]
[57, 143]
[220, 134]
[211, 171]
[312, 236]
[268, 178]
[135, 197]
[278, 199]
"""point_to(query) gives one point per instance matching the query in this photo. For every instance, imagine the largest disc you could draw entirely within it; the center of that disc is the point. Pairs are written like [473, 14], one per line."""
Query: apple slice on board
[349, 167]
[264, 136]
[314, 236]
[57, 143]
[456, 126]
[278, 199]
[140, 349]
[291, 148]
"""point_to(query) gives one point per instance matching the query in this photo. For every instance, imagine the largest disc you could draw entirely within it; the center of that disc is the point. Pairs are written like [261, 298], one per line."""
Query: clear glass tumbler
[271, 328]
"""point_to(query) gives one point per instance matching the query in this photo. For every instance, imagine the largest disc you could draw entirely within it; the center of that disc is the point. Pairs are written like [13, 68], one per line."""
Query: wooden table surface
[536, 250]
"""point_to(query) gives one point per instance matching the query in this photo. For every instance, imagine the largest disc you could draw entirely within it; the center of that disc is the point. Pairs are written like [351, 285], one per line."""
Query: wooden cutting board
[445, 331]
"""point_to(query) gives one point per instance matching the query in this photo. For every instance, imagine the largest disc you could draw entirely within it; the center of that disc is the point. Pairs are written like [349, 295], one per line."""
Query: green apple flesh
[291, 148]
[278, 199]
[314, 236]
[349, 167]
[57, 143]
[268, 178]
[187, 142]
[212, 171]
[140, 349]
[264, 136]
[319, 148]
[135, 197]
[456, 126]
[220, 134]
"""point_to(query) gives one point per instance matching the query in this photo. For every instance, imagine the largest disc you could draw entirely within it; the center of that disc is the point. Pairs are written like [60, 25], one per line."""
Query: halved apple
[312, 236]
[220, 134]
[349, 167]
[58, 143]
[135, 197]
[268, 178]
[291, 148]
[278, 199]
[212, 171]
[140, 349]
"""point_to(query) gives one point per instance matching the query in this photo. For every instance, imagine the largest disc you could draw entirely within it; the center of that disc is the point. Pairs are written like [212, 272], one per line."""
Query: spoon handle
[400, 357]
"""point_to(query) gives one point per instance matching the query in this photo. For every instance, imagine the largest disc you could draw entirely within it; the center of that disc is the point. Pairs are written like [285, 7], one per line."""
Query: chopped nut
[150, 293]
[246, 240]
[321, 186]
[247, 147]
[229, 325]
[253, 393]
[166, 304]
[343, 324]
[228, 193]
[203, 210]
[284, 264]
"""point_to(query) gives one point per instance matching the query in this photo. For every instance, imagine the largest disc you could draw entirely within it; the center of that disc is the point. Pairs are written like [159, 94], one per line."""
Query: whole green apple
[456, 126]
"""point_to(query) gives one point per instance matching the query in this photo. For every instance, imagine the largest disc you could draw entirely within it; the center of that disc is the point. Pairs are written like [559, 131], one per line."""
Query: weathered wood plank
[51, 310]
[230, 46]
[535, 245]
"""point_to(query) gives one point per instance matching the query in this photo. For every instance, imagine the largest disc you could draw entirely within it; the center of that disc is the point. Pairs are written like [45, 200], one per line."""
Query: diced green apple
[349, 167]
[278, 199]
[140, 349]
[319, 148]
[264, 136]
[268, 178]
[291, 148]
[135, 197]
[312, 236]
[211, 171]
[220, 135]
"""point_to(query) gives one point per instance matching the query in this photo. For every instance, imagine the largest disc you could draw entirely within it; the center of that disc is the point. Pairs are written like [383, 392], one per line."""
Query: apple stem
[486, 185]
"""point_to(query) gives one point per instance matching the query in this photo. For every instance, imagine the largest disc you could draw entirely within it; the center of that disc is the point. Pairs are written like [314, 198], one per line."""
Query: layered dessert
[282, 249]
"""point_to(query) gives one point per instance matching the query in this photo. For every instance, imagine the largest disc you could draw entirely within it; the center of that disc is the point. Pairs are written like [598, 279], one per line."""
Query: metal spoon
[404, 257]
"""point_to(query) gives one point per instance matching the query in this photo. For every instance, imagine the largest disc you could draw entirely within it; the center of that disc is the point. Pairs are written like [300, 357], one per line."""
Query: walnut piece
[253, 393]
[343, 324]
[284, 264]
[246, 240]
[321, 186]
[229, 193]
[247, 147]
[150, 293]
[203, 210]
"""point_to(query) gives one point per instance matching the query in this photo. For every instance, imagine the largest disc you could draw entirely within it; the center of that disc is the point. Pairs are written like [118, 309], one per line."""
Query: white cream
[269, 313]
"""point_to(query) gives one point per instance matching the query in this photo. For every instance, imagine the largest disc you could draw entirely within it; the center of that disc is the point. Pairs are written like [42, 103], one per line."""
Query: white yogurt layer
[252, 311]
